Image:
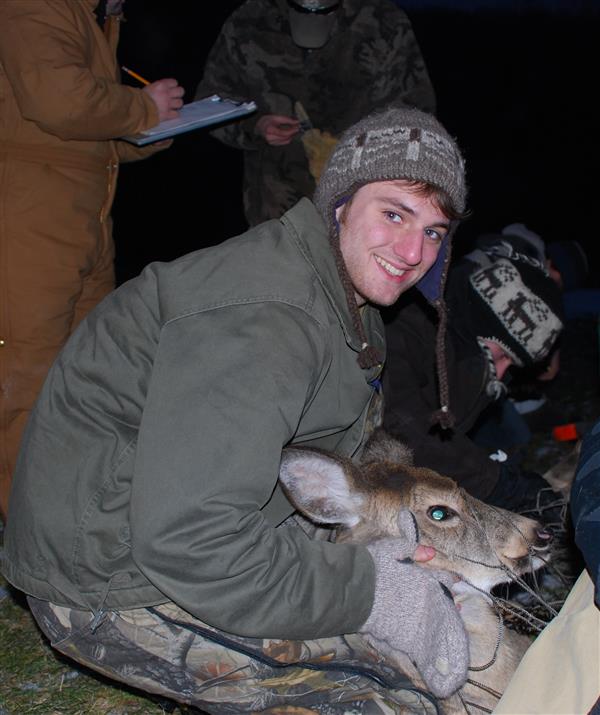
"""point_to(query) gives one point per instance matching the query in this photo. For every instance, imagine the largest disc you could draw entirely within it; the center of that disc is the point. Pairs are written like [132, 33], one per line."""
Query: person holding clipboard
[64, 109]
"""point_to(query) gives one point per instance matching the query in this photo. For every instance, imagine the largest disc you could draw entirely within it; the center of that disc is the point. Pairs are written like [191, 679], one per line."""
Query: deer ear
[319, 486]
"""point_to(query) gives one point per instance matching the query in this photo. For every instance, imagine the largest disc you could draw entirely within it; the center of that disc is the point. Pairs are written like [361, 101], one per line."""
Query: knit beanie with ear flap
[396, 143]
[510, 300]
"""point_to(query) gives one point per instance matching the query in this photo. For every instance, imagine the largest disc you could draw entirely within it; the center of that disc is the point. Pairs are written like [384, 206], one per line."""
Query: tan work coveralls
[62, 107]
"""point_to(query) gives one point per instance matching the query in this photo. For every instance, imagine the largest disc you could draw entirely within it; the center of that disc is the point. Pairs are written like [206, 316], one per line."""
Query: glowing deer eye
[439, 513]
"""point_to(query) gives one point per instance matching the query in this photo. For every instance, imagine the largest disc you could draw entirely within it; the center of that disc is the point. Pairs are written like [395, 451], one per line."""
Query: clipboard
[194, 115]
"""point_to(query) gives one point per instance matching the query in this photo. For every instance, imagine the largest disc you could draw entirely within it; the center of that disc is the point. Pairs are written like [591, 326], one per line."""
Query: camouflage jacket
[371, 60]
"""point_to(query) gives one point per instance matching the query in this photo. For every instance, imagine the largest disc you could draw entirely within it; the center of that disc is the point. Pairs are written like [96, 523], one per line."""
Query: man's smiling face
[390, 236]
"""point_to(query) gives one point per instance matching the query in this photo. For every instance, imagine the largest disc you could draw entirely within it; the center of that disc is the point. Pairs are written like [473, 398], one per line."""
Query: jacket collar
[309, 232]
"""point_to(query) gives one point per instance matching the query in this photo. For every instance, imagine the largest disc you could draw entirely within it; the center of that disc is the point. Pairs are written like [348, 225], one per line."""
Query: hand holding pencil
[166, 93]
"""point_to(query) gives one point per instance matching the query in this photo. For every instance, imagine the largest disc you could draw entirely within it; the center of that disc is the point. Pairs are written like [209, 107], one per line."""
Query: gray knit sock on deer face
[414, 612]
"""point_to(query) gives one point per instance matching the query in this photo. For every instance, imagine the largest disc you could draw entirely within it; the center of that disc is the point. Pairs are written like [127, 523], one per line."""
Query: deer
[482, 546]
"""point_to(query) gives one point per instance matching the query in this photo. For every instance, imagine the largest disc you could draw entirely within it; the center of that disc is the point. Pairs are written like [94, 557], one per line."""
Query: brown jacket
[62, 110]
[63, 103]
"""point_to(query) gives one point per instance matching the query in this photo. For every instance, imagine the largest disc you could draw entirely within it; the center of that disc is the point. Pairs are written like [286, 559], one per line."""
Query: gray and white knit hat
[396, 143]
[503, 292]
[518, 306]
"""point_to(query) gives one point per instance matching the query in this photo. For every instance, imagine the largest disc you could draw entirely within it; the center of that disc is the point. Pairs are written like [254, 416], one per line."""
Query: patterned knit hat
[509, 299]
[396, 143]
[517, 306]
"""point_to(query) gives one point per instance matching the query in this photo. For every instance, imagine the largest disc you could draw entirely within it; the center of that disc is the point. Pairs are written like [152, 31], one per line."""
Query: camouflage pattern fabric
[372, 60]
[164, 650]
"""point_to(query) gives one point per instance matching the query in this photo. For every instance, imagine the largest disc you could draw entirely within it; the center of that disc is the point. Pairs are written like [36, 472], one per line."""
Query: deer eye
[440, 513]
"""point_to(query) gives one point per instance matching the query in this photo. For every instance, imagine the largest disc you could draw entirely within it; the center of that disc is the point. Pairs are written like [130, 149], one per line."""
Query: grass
[35, 680]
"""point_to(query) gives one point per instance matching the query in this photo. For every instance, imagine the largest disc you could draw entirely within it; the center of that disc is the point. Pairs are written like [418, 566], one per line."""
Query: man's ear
[320, 487]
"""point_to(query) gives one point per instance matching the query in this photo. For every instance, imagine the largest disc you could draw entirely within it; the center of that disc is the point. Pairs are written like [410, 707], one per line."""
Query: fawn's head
[484, 545]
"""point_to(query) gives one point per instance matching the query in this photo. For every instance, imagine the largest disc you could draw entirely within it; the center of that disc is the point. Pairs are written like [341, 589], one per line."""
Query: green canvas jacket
[148, 470]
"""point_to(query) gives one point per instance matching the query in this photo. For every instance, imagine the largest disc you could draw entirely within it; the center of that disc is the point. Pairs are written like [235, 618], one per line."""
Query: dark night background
[515, 81]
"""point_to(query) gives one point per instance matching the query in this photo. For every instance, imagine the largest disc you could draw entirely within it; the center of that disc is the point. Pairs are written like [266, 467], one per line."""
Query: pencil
[136, 75]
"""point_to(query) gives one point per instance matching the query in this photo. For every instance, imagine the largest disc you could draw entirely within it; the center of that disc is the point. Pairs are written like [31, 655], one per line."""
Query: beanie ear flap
[368, 356]
[443, 417]
[432, 286]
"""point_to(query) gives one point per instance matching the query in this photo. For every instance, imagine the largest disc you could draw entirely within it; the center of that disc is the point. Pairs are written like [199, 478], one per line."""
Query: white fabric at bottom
[560, 673]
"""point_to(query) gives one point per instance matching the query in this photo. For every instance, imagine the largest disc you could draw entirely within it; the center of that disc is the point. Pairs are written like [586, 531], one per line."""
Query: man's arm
[228, 391]
[45, 56]
[226, 76]
[130, 152]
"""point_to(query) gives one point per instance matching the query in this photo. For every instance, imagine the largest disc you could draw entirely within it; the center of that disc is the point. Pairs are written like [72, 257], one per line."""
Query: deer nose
[544, 537]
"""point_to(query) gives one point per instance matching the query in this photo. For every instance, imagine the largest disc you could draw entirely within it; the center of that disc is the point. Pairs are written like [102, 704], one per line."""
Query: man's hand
[277, 129]
[167, 95]
[414, 612]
